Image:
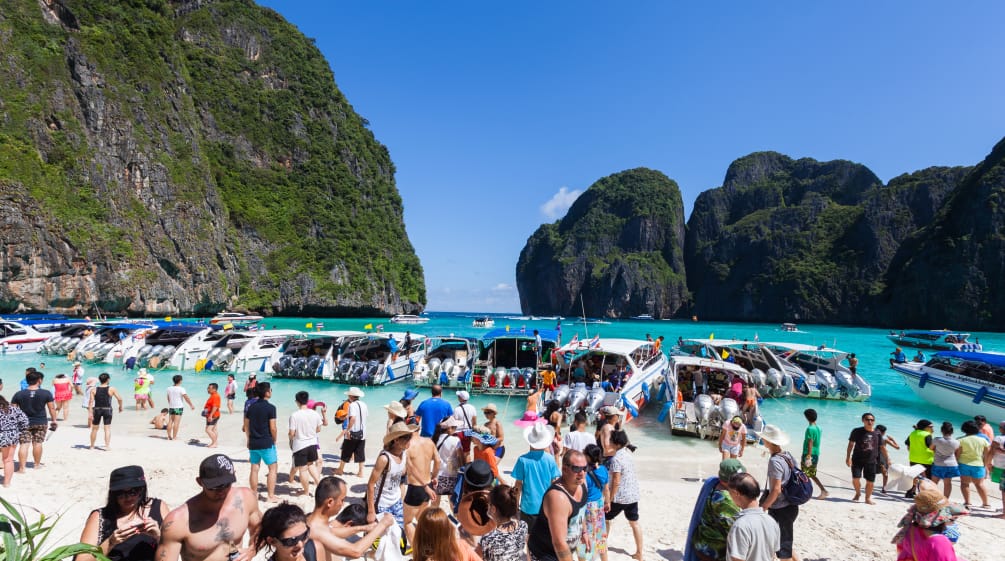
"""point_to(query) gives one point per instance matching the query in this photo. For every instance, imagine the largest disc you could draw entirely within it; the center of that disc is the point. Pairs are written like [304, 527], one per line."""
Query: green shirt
[812, 432]
[972, 449]
[716, 520]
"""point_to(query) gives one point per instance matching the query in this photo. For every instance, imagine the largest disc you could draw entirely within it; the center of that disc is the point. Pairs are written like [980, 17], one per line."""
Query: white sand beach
[74, 480]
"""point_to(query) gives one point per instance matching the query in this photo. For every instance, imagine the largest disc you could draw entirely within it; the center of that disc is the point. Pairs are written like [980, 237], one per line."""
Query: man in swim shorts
[176, 400]
[863, 455]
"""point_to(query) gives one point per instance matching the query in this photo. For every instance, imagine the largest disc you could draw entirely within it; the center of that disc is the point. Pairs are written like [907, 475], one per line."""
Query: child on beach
[884, 455]
[160, 420]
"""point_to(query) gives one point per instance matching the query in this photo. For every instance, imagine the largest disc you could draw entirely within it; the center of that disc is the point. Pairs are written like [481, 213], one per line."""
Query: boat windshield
[969, 368]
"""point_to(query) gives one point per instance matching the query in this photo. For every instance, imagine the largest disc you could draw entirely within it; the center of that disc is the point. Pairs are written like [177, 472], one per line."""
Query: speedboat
[67, 339]
[483, 322]
[230, 350]
[618, 372]
[311, 355]
[940, 340]
[642, 317]
[823, 371]
[507, 362]
[696, 395]
[773, 376]
[447, 363]
[969, 383]
[160, 344]
[110, 342]
[790, 327]
[19, 337]
[371, 360]
[409, 319]
[235, 319]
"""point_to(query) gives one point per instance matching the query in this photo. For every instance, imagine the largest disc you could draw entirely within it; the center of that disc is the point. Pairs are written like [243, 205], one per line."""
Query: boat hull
[954, 393]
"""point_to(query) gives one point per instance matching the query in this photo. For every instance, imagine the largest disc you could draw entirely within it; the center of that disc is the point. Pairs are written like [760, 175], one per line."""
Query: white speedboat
[773, 376]
[18, 337]
[507, 361]
[409, 319]
[824, 371]
[230, 350]
[236, 319]
[67, 339]
[642, 317]
[618, 372]
[483, 322]
[969, 383]
[371, 360]
[160, 344]
[697, 397]
[311, 355]
[447, 363]
[940, 340]
[111, 342]
[790, 327]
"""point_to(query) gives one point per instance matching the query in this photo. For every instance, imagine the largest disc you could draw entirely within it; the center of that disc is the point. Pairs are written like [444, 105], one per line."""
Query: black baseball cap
[216, 471]
[128, 477]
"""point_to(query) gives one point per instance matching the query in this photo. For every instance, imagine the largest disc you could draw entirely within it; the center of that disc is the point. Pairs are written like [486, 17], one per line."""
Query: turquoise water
[892, 402]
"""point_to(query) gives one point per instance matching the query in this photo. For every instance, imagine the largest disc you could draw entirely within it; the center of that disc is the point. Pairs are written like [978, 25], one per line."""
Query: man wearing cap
[260, 428]
[535, 470]
[779, 472]
[211, 525]
[432, 411]
[465, 412]
[713, 516]
[354, 444]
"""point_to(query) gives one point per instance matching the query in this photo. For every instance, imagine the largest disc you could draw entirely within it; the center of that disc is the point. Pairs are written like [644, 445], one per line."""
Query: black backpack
[798, 489]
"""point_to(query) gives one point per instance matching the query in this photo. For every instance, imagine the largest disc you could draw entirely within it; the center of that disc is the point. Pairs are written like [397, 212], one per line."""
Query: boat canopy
[521, 333]
[994, 359]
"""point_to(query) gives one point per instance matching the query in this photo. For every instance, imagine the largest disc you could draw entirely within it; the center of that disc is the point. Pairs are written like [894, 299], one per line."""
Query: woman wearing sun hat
[396, 413]
[128, 527]
[495, 427]
[923, 530]
[383, 490]
[779, 471]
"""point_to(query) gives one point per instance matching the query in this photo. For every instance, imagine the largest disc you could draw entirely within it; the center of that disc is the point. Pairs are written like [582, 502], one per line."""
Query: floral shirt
[628, 487]
[12, 422]
[716, 520]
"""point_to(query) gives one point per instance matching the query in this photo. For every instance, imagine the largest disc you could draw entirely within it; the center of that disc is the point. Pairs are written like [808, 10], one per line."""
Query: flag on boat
[167, 318]
[368, 326]
[594, 343]
[310, 326]
[574, 340]
[254, 327]
[321, 325]
[711, 336]
[724, 354]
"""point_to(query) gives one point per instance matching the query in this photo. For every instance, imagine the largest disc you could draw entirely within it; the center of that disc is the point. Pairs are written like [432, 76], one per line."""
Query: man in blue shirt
[433, 410]
[898, 357]
[535, 470]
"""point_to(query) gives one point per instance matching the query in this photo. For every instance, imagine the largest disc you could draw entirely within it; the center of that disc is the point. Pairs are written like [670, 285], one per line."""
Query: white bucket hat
[539, 436]
[774, 435]
[354, 392]
[397, 408]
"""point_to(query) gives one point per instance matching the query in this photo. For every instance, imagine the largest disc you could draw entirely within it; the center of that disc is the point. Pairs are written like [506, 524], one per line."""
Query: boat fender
[923, 379]
[981, 393]
[645, 389]
[390, 372]
[632, 410]
[665, 412]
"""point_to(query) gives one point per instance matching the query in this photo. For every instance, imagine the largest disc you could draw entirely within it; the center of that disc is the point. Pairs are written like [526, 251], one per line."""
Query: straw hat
[354, 392]
[397, 408]
[490, 407]
[774, 435]
[398, 430]
[539, 436]
[610, 411]
[929, 500]
[450, 422]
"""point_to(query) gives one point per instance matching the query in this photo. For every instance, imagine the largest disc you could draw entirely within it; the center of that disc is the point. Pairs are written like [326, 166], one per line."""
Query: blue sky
[497, 114]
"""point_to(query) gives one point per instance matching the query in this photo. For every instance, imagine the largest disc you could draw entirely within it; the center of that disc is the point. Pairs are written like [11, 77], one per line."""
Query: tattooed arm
[172, 536]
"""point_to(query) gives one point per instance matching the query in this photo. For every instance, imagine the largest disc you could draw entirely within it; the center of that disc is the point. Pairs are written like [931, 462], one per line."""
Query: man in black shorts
[304, 427]
[33, 401]
[354, 443]
[863, 455]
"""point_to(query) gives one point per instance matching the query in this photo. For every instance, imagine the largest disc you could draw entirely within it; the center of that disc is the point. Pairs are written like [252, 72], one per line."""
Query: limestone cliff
[617, 252]
[178, 157]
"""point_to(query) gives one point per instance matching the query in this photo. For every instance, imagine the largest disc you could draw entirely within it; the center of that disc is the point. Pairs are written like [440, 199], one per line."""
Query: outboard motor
[447, 365]
[526, 378]
[728, 408]
[285, 364]
[561, 394]
[356, 372]
[760, 380]
[311, 368]
[299, 365]
[825, 383]
[342, 372]
[370, 375]
[434, 366]
[703, 408]
[455, 371]
[577, 397]
[773, 381]
[224, 359]
[846, 384]
[594, 400]
[787, 385]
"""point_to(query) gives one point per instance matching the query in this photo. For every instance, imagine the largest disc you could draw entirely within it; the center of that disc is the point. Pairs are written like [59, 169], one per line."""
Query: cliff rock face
[179, 157]
[952, 273]
[787, 239]
[619, 249]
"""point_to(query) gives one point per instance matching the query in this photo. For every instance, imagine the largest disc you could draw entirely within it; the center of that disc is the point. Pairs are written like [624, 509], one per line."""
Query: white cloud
[559, 203]
[502, 287]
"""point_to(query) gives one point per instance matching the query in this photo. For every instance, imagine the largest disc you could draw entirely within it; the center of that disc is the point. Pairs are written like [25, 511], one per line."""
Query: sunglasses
[134, 492]
[577, 469]
[290, 542]
[219, 488]
[869, 420]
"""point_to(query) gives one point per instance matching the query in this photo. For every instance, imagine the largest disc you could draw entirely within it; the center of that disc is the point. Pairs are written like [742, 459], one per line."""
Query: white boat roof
[707, 362]
[804, 348]
[398, 335]
[612, 345]
[332, 333]
[723, 342]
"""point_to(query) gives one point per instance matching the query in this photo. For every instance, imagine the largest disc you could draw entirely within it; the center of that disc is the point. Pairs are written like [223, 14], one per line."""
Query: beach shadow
[672, 554]
[196, 442]
[158, 436]
[359, 488]
[81, 446]
[81, 426]
[692, 479]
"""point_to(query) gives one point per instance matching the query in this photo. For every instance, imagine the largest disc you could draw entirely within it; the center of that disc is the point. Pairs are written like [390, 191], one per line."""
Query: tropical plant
[23, 540]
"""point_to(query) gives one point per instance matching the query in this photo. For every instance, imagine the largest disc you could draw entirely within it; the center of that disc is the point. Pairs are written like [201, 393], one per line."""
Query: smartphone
[453, 520]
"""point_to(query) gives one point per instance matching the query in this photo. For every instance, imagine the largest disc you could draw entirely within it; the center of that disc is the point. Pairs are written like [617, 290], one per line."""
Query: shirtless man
[329, 496]
[211, 525]
[422, 465]
[612, 420]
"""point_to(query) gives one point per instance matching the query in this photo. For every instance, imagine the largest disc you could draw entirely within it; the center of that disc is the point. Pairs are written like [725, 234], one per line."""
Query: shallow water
[892, 402]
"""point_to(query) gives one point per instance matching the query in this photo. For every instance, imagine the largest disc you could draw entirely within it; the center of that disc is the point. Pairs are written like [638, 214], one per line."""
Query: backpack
[798, 489]
[342, 413]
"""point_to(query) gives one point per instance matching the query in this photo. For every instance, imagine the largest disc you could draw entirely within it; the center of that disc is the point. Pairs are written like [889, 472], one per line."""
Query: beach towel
[699, 506]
